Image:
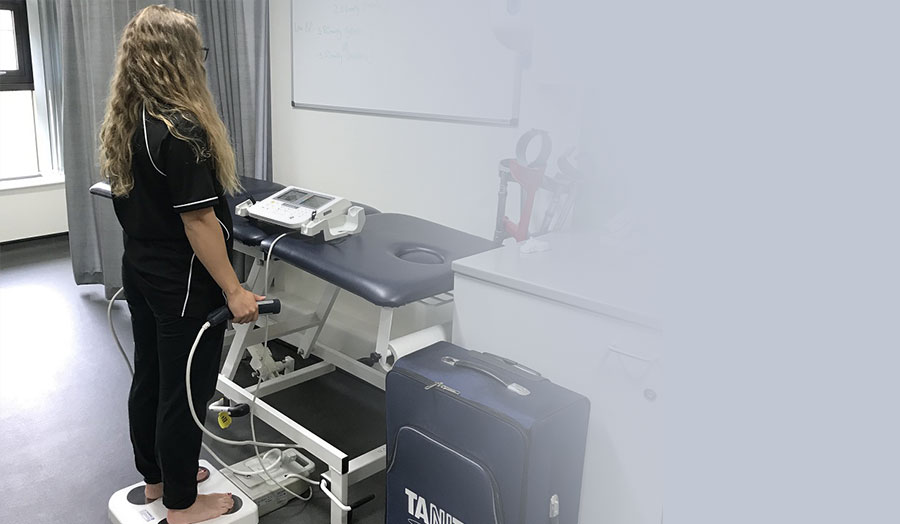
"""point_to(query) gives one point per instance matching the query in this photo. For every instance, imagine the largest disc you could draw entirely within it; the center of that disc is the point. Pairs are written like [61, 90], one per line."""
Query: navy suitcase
[478, 439]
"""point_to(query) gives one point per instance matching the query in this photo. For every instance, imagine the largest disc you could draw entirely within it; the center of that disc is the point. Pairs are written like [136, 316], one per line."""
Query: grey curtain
[80, 39]
[237, 35]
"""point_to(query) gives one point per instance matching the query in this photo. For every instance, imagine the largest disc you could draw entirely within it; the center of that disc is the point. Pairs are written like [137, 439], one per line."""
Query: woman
[166, 154]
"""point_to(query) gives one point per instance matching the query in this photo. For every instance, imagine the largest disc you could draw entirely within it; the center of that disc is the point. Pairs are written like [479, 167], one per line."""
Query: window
[15, 47]
[19, 161]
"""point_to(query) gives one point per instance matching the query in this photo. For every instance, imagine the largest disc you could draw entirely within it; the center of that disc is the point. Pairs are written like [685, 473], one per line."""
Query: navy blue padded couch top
[395, 260]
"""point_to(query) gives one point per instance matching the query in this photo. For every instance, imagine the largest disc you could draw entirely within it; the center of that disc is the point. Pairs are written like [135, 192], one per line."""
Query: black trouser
[165, 438]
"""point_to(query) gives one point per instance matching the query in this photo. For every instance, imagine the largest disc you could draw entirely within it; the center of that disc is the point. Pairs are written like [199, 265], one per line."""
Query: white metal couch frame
[343, 471]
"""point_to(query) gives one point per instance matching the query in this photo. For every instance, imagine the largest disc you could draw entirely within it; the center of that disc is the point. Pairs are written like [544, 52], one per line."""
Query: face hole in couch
[419, 255]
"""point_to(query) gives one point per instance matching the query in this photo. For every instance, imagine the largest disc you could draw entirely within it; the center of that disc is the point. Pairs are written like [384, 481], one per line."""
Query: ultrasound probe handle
[266, 307]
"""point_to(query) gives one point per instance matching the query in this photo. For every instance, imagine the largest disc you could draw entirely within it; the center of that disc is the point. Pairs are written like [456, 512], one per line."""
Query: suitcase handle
[513, 363]
[512, 386]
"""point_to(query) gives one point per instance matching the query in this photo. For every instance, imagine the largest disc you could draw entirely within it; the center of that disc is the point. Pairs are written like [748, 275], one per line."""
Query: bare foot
[202, 474]
[153, 491]
[206, 507]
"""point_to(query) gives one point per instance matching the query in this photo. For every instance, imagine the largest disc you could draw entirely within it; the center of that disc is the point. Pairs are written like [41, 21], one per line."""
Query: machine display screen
[316, 201]
[292, 196]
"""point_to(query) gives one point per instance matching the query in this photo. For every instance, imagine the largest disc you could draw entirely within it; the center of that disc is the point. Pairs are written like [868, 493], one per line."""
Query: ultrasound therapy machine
[311, 213]
[391, 261]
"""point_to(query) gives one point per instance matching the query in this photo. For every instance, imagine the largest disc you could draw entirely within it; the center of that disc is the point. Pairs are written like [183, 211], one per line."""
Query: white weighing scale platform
[127, 506]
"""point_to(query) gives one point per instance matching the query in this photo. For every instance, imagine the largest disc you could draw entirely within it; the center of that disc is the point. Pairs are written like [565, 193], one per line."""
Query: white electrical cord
[187, 383]
[259, 382]
[266, 283]
[256, 449]
[187, 376]
[256, 444]
[279, 459]
[333, 497]
[209, 450]
[112, 328]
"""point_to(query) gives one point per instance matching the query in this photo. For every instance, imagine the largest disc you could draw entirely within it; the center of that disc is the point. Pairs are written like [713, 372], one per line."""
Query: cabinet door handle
[616, 349]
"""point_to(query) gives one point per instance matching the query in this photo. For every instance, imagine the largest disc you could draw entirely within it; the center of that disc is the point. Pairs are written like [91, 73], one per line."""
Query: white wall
[444, 172]
[408, 166]
[32, 211]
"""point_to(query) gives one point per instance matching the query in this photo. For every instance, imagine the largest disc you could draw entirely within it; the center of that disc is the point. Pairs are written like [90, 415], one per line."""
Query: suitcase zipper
[443, 387]
[430, 384]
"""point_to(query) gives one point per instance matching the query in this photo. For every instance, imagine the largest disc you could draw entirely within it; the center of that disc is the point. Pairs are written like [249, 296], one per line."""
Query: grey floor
[64, 445]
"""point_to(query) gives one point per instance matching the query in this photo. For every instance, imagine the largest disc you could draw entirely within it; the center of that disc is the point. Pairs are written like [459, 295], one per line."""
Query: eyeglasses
[205, 52]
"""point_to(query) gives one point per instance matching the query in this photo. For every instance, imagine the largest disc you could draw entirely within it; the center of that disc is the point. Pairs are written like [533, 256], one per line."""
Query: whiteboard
[431, 59]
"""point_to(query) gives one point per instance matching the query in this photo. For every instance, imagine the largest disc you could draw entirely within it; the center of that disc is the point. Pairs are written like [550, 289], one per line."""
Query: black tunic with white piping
[169, 180]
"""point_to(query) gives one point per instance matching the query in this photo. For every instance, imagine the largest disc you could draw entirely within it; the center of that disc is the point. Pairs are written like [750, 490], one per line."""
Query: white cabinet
[583, 318]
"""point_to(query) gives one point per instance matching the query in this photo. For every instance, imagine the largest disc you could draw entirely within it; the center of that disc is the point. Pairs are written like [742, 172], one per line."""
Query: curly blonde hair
[159, 68]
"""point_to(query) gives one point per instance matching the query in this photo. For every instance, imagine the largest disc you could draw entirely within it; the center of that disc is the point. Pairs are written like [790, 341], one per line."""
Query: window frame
[21, 79]
[50, 170]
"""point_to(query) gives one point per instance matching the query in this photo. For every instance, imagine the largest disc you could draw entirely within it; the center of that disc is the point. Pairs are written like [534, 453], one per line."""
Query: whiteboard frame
[513, 122]
[434, 117]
